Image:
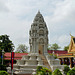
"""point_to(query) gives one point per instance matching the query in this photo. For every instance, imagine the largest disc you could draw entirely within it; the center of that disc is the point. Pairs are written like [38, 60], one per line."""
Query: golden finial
[71, 35]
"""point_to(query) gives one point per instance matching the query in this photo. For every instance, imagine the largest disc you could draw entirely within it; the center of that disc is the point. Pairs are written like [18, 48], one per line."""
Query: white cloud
[3, 6]
[64, 40]
[16, 17]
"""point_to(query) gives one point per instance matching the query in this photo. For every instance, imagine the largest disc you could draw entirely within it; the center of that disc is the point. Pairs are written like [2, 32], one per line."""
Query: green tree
[71, 72]
[3, 67]
[54, 46]
[57, 72]
[66, 69]
[66, 48]
[3, 73]
[43, 71]
[6, 43]
[22, 48]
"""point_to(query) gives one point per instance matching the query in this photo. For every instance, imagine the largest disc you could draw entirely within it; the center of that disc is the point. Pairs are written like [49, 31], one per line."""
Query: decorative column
[67, 62]
[71, 62]
[74, 61]
[63, 60]
[60, 60]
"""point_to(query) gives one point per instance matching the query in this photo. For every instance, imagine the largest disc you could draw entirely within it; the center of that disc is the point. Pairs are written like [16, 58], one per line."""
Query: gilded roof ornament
[71, 35]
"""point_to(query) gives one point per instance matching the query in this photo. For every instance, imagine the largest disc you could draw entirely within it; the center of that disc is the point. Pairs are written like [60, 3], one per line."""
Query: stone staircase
[45, 62]
[54, 63]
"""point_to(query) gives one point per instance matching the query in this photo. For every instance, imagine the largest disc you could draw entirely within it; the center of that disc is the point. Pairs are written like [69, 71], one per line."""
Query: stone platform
[27, 64]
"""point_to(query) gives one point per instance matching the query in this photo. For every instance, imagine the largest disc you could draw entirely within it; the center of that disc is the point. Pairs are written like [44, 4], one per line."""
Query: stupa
[38, 55]
[38, 35]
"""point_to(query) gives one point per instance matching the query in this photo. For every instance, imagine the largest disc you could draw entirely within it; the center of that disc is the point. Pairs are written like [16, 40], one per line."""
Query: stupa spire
[38, 11]
[38, 17]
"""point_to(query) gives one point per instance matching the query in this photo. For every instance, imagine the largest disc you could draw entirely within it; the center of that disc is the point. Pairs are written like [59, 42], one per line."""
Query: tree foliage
[66, 69]
[6, 43]
[43, 71]
[0, 59]
[3, 73]
[57, 72]
[3, 67]
[54, 46]
[71, 72]
[66, 48]
[22, 48]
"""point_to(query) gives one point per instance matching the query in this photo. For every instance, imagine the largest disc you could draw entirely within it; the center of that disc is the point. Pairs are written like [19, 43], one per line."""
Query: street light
[2, 55]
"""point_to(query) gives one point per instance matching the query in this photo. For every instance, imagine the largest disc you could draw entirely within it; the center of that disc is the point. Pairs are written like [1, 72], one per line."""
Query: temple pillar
[71, 62]
[64, 61]
[67, 61]
[60, 60]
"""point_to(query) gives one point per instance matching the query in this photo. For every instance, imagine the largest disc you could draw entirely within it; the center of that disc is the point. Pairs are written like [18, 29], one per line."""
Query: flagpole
[11, 64]
[12, 71]
[12, 61]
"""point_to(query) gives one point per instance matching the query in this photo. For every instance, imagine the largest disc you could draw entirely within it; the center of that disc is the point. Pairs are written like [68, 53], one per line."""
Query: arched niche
[41, 41]
[41, 46]
[41, 33]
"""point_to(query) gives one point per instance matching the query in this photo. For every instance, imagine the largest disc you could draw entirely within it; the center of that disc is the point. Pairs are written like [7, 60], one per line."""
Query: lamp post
[2, 55]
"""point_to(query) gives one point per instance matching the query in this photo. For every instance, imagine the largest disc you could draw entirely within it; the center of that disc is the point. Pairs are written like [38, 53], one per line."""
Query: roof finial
[38, 11]
[70, 34]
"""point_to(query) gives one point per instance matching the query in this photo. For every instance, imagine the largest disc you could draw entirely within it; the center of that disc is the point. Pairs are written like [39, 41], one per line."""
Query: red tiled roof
[57, 51]
[17, 56]
[10, 58]
[7, 56]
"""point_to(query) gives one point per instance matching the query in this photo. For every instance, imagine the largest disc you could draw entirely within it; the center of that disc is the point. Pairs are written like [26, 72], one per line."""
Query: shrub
[57, 72]
[3, 73]
[43, 71]
[66, 69]
[71, 72]
[39, 68]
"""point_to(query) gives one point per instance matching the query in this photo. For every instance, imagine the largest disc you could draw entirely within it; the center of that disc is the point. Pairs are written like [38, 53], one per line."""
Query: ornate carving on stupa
[38, 35]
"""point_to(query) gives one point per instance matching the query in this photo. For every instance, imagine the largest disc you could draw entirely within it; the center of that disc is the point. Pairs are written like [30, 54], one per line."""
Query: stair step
[45, 61]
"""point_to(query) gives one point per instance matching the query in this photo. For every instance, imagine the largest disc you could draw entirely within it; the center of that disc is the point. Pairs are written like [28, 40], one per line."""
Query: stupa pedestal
[27, 64]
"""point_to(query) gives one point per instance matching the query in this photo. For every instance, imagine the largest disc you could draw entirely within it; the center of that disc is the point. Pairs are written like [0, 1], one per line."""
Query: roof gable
[72, 45]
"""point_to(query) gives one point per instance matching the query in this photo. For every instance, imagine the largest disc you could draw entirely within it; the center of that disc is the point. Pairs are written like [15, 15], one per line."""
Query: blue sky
[16, 17]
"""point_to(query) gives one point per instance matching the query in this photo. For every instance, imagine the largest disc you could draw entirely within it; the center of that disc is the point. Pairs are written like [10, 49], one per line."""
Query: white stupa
[38, 55]
[38, 35]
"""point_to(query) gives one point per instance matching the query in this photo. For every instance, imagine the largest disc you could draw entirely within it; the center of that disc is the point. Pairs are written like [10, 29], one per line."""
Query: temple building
[69, 58]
